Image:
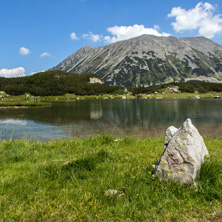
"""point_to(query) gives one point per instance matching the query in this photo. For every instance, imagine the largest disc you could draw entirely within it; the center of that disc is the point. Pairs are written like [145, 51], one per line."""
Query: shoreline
[45, 100]
[13, 107]
[23, 104]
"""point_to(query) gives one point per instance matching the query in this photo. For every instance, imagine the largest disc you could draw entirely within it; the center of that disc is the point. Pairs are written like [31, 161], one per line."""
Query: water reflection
[119, 117]
[14, 122]
[17, 129]
[96, 111]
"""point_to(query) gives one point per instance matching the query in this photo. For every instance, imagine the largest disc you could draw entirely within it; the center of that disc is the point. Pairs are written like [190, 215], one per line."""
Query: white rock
[183, 154]
[110, 192]
[93, 80]
[169, 134]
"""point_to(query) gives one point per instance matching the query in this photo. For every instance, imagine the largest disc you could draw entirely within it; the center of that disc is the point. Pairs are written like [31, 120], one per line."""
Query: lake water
[134, 117]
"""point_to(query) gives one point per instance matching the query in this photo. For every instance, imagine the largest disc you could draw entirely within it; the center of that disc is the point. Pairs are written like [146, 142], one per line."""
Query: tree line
[189, 87]
[54, 83]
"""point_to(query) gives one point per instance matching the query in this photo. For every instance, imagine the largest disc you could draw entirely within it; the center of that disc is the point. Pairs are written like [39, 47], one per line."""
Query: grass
[26, 100]
[29, 100]
[183, 95]
[68, 180]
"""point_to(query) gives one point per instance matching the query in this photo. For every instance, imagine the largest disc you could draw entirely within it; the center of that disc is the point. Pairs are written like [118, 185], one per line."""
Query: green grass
[66, 181]
[29, 100]
[183, 95]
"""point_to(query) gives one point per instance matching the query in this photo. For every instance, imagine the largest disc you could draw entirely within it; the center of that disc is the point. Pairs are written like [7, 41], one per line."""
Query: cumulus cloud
[73, 36]
[9, 73]
[45, 54]
[93, 37]
[201, 18]
[126, 32]
[24, 51]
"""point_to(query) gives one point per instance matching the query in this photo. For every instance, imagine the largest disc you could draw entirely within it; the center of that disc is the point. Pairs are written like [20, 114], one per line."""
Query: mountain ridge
[149, 60]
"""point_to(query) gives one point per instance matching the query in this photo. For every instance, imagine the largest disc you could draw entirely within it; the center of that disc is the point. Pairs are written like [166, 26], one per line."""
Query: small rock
[110, 193]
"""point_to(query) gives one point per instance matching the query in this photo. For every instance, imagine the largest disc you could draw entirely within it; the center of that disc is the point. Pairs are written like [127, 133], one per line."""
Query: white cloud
[201, 18]
[45, 54]
[73, 36]
[91, 36]
[126, 32]
[9, 73]
[24, 51]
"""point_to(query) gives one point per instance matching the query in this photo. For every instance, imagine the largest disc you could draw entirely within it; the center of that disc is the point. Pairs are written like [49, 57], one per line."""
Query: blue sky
[36, 35]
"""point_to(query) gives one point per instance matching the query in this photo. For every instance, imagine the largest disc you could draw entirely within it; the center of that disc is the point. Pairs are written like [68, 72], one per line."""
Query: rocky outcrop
[149, 60]
[93, 80]
[183, 155]
[169, 134]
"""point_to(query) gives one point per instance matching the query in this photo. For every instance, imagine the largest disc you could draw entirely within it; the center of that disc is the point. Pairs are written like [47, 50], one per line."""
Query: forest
[54, 83]
[189, 87]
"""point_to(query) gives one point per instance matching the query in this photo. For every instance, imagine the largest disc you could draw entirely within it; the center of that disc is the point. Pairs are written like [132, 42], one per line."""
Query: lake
[119, 117]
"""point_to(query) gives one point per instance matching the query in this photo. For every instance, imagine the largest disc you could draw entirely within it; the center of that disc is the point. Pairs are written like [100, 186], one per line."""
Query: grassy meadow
[102, 179]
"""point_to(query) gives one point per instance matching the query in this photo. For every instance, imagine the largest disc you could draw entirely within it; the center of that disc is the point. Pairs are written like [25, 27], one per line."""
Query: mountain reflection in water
[135, 117]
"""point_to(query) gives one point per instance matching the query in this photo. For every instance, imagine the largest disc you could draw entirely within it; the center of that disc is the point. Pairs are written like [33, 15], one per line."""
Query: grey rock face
[183, 155]
[148, 60]
[93, 80]
[169, 134]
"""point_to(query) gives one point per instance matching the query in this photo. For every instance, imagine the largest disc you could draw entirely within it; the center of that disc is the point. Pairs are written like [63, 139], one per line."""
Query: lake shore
[12, 107]
[31, 101]
[67, 180]
[21, 104]
[212, 95]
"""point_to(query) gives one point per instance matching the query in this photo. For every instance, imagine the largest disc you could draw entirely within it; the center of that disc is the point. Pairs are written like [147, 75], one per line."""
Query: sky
[36, 35]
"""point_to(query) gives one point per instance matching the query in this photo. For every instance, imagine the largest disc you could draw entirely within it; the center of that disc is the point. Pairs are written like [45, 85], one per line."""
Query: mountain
[149, 60]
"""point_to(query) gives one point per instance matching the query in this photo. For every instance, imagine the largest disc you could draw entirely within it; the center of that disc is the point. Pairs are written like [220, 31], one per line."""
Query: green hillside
[54, 83]
[188, 87]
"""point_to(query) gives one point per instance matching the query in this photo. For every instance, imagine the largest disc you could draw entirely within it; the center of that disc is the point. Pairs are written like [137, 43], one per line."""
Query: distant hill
[53, 83]
[188, 87]
[149, 60]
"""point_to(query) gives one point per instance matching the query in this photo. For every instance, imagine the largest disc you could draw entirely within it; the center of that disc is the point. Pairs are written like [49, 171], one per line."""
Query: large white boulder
[184, 152]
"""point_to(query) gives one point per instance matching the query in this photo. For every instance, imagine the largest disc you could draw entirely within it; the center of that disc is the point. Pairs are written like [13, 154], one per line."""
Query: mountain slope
[149, 60]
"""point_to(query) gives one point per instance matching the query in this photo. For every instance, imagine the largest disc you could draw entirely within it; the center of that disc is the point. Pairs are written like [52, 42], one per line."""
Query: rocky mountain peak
[149, 60]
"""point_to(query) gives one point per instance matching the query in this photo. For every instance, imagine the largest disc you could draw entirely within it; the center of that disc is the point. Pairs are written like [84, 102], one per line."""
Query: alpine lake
[118, 117]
